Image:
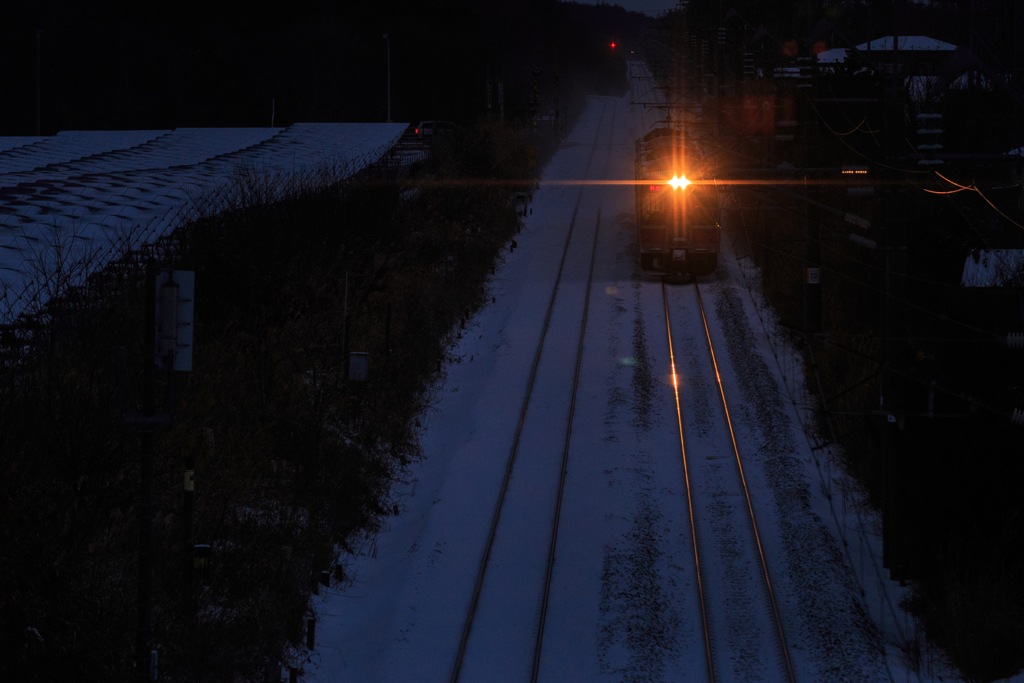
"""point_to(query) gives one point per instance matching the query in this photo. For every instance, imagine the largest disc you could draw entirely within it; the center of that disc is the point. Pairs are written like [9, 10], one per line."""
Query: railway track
[731, 592]
[727, 579]
[537, 628]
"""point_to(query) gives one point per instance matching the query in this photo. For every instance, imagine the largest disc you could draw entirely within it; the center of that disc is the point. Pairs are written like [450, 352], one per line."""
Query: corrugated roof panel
[13, 142]
[103, 184]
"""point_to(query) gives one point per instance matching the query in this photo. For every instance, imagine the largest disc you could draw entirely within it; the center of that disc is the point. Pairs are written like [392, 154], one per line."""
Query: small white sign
[181, 336]
[358, 362]
[812, 276]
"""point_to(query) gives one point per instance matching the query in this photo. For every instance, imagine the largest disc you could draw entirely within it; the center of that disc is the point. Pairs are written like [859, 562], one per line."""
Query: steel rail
[746, 492]
[549, 572]
[565, 465]
[689, 497]
[478, 586]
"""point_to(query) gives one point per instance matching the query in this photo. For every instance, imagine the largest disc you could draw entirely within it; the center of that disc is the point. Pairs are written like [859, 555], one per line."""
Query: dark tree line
[903, 335]
[293, 464]
[124, 65]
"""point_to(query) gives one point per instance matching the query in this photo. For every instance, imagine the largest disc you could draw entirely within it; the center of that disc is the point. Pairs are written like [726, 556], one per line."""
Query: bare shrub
[292, 462]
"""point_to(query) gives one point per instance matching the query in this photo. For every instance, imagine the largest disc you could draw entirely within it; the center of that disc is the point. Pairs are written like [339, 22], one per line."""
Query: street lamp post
[39, 33]
[389, 76]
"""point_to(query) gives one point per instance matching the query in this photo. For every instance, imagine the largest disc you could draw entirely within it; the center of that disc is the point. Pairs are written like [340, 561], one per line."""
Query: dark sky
[651, 7]
[124, 65]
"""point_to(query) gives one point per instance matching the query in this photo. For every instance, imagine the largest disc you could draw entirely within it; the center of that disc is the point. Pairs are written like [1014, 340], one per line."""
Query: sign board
[201, 560]
[813, 277]
[358, 362]
[175, 290]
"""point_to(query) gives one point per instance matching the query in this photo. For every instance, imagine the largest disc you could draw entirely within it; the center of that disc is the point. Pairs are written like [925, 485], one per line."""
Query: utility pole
[188, 554]
[144, 633]
[39, 33]
[535, 104]
[389, 76]
[812, 226]
[894, 537]
[167, 342]
[344, 330]
[556, 121]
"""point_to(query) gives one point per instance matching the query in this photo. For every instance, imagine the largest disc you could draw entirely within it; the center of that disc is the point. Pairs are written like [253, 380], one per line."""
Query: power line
[856, 151]
[837, 252]
[982, 194]
[941, 316]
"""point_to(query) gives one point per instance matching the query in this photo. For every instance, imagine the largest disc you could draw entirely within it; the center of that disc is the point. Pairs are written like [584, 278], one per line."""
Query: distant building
[993, 268]
[918, 55]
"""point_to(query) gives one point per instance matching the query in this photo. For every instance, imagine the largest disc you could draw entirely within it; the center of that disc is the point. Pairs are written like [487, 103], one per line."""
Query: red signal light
[417, 130]
[613, 46]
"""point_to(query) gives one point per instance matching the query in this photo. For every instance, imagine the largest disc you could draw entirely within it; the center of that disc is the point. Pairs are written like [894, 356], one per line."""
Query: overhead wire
[910, 173]
[962, 188]
[984, 240]
[946, 192]
[742, 135]
[825, 478]
[843, 112]
[906, 375]
[838, 253]
[874, 267]
[975, 188]
[856, 128]
[854, 150]
[941, 316]
[825, 340]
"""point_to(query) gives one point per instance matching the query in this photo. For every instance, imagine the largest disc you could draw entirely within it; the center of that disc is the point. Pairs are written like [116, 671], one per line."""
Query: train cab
[677, 206]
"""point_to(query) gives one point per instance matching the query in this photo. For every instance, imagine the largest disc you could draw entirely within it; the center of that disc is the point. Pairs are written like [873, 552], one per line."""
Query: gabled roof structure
[992, 267]
[906, 43]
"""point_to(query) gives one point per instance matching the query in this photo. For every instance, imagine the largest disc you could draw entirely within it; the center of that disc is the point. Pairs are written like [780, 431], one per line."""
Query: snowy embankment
[623, 602]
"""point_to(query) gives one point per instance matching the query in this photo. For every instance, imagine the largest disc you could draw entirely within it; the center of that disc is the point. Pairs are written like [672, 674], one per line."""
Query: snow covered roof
[790, 72]
[909, 43]
[10, 142]
[918, 43]
[88, 190]
[832, 56]
[992, 267]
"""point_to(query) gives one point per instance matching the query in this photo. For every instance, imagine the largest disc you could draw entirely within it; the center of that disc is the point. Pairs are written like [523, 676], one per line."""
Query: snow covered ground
[623, 604]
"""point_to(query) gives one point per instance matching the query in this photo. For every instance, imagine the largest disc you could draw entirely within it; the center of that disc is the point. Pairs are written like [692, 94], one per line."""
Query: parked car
[427, 129]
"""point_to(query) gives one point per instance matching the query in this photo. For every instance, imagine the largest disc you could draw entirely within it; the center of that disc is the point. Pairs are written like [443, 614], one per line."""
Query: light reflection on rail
[689, 497]
[746, 492]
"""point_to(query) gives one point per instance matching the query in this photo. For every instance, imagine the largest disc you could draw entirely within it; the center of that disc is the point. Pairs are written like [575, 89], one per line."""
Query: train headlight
[679, 183]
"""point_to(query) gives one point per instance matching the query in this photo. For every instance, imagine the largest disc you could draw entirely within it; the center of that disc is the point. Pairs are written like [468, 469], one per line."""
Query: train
[678, 226]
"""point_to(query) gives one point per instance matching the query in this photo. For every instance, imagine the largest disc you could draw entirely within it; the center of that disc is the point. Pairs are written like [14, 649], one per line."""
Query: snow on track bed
[830, 636]
[744, 643]
[502, 640]
[623, 606]
[402, 618]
